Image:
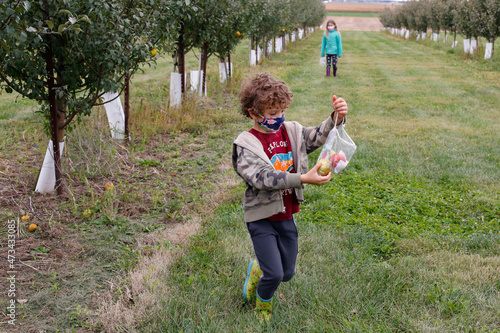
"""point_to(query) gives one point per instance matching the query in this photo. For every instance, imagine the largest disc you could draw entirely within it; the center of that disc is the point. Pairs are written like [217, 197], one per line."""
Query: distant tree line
[470, 18]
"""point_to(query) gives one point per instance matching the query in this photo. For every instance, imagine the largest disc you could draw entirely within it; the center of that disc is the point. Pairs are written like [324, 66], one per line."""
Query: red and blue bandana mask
[271, 124]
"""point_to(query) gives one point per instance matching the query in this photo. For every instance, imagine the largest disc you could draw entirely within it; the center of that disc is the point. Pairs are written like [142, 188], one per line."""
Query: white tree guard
[473, 46]
[301, 33]
[407, 35]
[195, 82]
[270, 46]
[454, 44]
[116, 116]
[47, 177]
[223, 70]
[488, 51]
[424, 35]
[175, 89]
[466, 45]
[445, 38]
[253, 58]
[278, 46]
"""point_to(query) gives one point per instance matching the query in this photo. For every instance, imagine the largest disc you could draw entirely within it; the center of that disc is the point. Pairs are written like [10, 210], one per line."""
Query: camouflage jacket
[262, 197]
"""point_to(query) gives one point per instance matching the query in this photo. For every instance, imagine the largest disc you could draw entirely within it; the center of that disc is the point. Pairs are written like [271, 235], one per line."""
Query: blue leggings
[331, 59]
[275, 244]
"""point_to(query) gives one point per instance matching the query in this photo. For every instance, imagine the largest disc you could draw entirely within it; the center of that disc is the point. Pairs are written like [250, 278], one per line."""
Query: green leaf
[84, 18]
[65, 11]
[50, 24]
[61, 27]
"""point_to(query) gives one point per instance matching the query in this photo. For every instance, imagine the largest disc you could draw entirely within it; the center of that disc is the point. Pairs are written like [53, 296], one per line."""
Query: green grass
[405, 239]
[352, 14]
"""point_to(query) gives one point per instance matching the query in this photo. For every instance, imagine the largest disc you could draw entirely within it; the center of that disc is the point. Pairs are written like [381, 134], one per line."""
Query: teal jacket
[332, 44]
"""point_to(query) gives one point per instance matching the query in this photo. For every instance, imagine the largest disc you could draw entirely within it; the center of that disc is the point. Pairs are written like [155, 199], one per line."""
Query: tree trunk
[55, 131]
[180, 54]
[283, 42]
[204, 66]
[126, 109]
[252, 43]
[256, 52]
[230, 69]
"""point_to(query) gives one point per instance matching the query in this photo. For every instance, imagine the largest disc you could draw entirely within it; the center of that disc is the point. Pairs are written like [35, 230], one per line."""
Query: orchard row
[470, 18]
[67, 54]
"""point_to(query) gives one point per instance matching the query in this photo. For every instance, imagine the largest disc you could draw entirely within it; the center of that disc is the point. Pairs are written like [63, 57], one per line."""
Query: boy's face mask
[331, 28]
[271, 124]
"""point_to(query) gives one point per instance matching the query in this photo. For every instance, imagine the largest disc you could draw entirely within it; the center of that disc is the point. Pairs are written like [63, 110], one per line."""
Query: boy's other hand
[339, 107]
[312, 176]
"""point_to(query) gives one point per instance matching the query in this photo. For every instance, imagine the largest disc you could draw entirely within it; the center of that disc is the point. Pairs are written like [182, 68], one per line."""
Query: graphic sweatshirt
[263, 197]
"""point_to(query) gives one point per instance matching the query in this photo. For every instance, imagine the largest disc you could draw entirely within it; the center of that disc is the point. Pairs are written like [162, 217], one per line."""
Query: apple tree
[175, 30]
[218, 30]
[65, 54]
[450, 17]
[489, 12]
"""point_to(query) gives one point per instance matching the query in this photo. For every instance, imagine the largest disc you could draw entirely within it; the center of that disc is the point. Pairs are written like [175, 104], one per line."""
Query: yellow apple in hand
[325, 167]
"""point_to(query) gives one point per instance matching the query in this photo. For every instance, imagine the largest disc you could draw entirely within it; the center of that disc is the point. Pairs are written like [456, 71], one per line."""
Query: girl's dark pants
[275, 244]
[331, 59]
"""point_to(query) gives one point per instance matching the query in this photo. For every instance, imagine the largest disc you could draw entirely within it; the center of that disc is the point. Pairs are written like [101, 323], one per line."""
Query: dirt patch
[72, 264]
[357, 7]
[356, 23]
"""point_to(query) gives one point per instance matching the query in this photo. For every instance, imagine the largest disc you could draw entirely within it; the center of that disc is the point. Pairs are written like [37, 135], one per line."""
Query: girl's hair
[263, 92]
[326, 26]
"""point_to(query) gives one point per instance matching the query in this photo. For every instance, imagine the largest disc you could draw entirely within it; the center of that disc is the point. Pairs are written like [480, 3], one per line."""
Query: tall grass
[405, 239]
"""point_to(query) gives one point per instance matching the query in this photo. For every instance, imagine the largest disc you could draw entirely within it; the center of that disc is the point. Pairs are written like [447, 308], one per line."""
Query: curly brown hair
[263, 92]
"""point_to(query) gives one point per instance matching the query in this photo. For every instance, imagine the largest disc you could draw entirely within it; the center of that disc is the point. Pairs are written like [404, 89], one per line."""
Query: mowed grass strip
[405, 239]
[352, 14]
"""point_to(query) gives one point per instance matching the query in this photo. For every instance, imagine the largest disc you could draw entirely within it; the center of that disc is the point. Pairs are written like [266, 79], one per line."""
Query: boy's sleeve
[260, 174]
[315, 137]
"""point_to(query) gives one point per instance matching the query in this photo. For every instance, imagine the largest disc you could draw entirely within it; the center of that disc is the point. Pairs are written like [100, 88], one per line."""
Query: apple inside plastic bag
[338, 148]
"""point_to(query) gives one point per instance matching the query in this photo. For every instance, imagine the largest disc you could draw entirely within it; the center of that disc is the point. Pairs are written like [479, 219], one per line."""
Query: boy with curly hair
[272, 160]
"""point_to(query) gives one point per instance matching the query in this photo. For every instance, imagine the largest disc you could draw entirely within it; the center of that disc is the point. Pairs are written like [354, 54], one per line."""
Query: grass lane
[406, 239]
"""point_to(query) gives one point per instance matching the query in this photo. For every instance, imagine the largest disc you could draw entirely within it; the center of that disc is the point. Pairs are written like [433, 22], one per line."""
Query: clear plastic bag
[322, 61]
[337, 151]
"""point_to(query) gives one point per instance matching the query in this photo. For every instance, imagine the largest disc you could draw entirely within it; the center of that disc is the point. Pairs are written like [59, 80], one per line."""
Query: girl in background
[331, 46]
